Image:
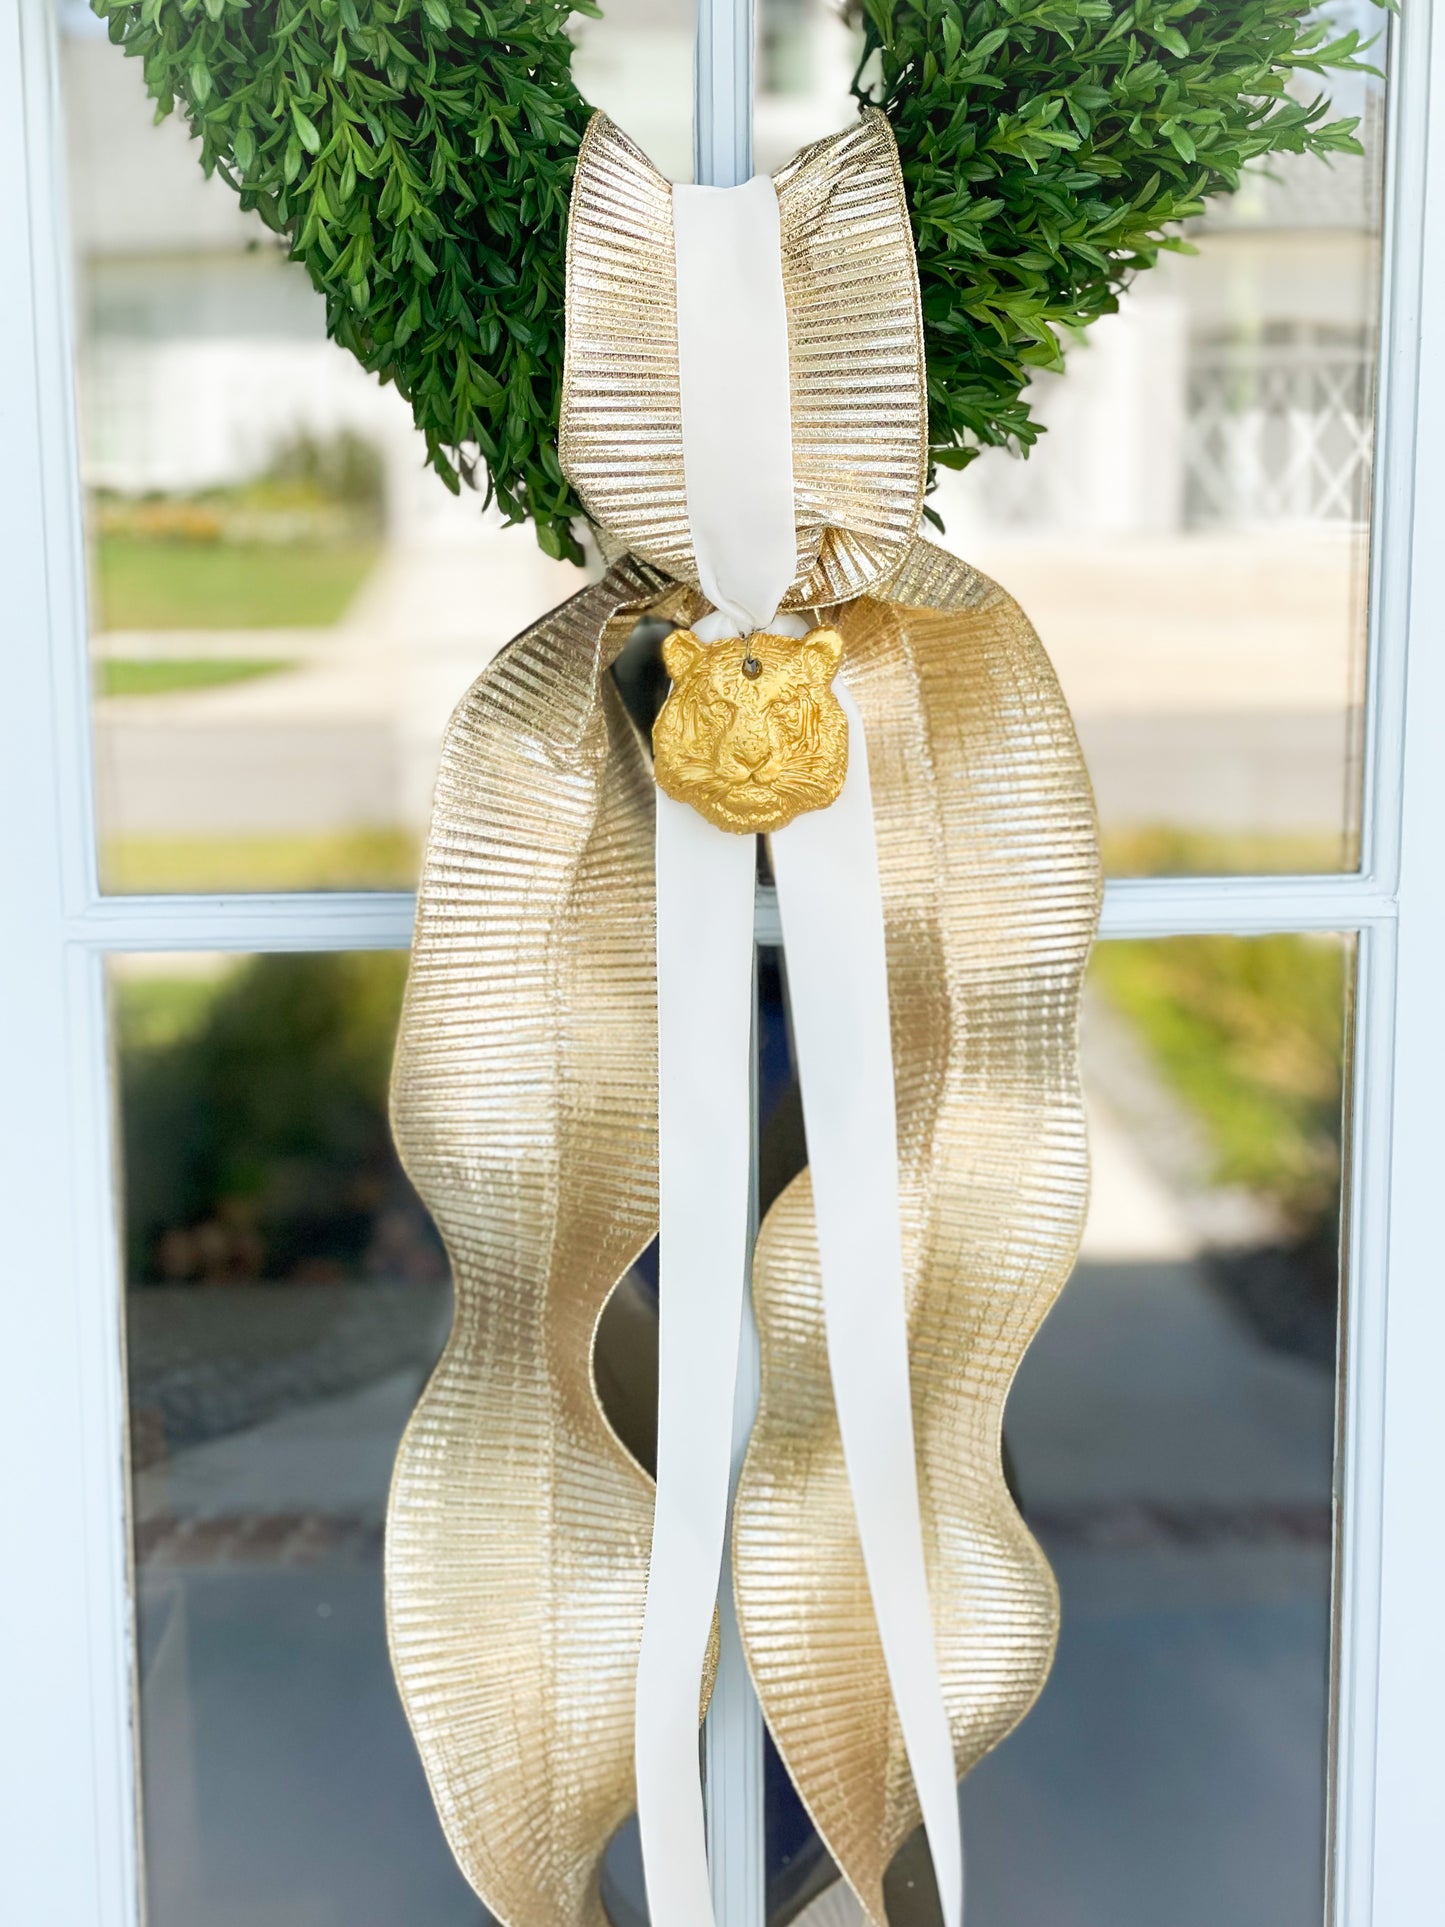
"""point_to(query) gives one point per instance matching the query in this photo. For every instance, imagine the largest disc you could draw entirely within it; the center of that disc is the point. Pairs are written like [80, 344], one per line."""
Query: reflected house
[1279, 398]
[1235, 388]
[202, 355]
[202, 348]
[1190, 534]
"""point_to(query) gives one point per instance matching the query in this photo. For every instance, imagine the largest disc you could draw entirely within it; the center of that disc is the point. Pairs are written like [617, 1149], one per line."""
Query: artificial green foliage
[1050, 150]
[417, 155]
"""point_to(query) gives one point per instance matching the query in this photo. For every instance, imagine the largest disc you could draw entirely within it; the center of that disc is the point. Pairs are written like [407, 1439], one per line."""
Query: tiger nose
[752, 756]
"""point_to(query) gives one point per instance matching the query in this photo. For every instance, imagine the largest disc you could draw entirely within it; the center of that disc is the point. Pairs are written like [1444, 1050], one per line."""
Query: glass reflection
[285, 605]
[636, 64]
[285, 1298]
[1170, 1440]
[1191, 535]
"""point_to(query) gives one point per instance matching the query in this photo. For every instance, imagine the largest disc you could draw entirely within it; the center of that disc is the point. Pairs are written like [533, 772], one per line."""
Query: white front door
[216, 742]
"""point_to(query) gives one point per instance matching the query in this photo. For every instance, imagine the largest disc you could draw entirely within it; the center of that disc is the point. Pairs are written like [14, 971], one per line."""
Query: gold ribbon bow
[525, 1095]
[855, 341]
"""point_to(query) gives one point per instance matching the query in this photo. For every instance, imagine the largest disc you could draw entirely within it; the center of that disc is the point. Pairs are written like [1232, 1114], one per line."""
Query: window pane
[636, 65]
[285, 605]
[285, 1298]
[1170, 1440]
[1191, 534]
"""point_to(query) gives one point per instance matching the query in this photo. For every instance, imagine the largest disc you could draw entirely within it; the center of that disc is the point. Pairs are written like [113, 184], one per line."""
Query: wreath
[417, 157]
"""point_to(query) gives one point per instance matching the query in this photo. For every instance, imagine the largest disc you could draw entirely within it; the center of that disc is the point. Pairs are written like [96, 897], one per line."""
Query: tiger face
[752, 734]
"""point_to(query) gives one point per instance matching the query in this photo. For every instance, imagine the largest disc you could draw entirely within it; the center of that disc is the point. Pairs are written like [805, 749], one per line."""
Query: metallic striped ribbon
[525, 1097]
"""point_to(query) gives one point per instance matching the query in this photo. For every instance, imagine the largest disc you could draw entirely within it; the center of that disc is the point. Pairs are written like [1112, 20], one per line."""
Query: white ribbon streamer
[737, 422]
[705, 883]
[831, 902]
[733, 368]
[737, 450]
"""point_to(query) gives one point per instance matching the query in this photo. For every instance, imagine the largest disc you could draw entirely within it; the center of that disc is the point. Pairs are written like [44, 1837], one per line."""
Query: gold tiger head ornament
[752, 733]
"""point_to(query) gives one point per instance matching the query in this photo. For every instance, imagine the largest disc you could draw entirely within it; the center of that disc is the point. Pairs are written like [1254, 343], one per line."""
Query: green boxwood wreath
[417, 156]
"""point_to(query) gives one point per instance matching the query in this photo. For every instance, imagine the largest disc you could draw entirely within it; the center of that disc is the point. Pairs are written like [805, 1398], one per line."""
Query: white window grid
[68, 1777]
[1278, 432]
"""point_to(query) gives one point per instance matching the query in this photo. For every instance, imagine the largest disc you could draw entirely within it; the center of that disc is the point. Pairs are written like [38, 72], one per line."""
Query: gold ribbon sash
[524, 1105]
[525, 1097]
[855, 341]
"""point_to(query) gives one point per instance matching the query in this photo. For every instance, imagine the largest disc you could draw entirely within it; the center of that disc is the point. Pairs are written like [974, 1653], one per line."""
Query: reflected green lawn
[160, 676]
[1249, 1031]
[144, 582]
[364, 859]
[1167, 851]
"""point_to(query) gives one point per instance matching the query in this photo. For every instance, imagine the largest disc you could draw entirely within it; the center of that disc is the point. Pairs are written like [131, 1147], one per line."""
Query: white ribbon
[705, 883]
[737, 419]
[737, 449]
[831, 901]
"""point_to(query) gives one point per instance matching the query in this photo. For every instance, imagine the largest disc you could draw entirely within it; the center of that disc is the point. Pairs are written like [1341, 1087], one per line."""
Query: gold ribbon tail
[988, 858]
[524, 1103]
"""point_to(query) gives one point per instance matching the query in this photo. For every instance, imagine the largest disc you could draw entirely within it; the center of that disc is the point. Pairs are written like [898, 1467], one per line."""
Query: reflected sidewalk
[1212, 678]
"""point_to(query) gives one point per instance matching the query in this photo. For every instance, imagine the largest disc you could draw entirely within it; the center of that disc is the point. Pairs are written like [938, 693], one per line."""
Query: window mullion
[382, 920]
[1403, 1874]
[733, 1738]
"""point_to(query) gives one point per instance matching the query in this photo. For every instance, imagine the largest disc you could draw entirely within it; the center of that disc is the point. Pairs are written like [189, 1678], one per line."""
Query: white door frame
[68, 1808]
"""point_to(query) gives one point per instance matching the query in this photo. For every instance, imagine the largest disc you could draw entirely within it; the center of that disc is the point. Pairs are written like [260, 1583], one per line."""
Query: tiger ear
[824, 650]
[680, 651]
